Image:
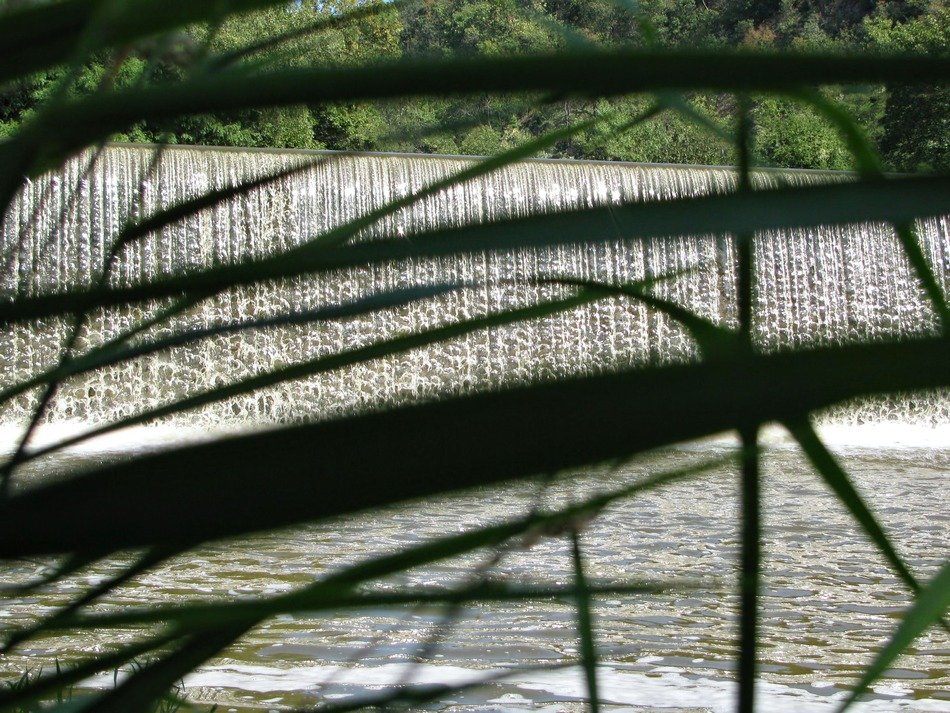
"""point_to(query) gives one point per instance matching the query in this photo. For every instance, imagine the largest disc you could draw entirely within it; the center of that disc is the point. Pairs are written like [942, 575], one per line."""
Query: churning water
[830, 602]
[817, 286]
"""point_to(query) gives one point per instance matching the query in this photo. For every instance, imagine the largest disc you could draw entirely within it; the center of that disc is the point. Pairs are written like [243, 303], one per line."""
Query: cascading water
[828, 285]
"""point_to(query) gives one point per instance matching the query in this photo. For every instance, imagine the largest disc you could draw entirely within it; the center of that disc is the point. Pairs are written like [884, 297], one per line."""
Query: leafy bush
[417, 30]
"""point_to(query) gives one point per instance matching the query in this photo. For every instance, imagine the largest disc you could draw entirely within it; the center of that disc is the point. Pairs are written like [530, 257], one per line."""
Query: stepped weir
[835, 284]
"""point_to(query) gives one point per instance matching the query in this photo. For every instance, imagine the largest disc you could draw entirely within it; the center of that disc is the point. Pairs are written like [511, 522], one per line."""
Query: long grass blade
[324, 469]
[146, 562]
[340, 235]
[838, 481]
[750, 525]
[234, 621]
[45, 34]
[585, 625]
[868, 164]
[588, 73]
[65, 677]
[198, 616]
[337, 590]
[894, 200]
[745, 245]
[714, 342]
[929, 608]
[154, 680]
[176, 213]
[114, 352]
[750, 564]
[421, 694]
[866, 160]
[345, 232]
[69, 565]
[172, 500]
[328, 363]
[583, 73]
[322, 24]
[907, 234]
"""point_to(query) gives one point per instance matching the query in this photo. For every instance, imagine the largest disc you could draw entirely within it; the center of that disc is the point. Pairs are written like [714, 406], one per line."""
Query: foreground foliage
[596, 418]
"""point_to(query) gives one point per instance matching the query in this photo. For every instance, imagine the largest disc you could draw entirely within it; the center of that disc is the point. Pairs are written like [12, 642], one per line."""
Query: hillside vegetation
[909, 124]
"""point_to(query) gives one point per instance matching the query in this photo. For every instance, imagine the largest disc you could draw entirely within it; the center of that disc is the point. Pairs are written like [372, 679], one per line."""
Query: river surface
[829, 603]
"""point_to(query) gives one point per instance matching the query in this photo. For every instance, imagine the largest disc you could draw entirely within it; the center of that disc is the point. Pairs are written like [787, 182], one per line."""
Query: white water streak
[817, 286]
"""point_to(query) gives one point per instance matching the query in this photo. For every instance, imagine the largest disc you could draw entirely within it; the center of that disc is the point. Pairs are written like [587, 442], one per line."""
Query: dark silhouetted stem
[585, 625]
[751, 560]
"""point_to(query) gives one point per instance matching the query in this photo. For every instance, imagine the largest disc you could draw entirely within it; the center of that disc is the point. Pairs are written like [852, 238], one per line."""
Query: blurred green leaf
[895, 200]
[45, 34]
[64, 130]
[69, 676]
[115, 352]
[930, 606]
[330, 362]
[585, 625]
[321, 470]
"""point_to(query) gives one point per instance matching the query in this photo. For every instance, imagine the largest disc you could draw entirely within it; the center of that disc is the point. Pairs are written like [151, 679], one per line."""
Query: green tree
[916, 121]
[668, 138]
[789, 134]
[339, 126]
[476, 27]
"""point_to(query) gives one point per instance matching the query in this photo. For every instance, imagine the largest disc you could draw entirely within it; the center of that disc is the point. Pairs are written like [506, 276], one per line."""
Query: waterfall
[828, 285]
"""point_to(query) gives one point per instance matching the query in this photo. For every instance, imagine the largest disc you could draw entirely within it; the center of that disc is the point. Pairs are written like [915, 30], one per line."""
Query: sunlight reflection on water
[829, 601]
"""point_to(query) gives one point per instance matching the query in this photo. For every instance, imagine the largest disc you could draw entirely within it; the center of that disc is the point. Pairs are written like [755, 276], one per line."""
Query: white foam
[131, 440]
[676, 690]
[268, 679]
[877, 436]
[655, 689]
[888, 435]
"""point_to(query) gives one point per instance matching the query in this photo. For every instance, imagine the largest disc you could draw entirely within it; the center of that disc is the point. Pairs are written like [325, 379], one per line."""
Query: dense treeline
[910, 124]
